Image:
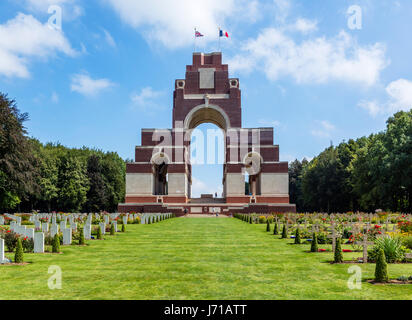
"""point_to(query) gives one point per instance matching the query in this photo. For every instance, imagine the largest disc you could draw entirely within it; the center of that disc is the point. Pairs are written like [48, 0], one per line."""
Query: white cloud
[85, 85]
[304, 25]
[400, 93]
[282, 9]
[372, 107]
[24, 38]
[172, 23]
[199, 187]
[146, 98]
[399, 99]
[109, 38]
[316, 60]
[323, 129]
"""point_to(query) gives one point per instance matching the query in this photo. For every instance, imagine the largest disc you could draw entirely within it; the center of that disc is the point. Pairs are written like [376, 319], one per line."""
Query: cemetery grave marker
[365, 243]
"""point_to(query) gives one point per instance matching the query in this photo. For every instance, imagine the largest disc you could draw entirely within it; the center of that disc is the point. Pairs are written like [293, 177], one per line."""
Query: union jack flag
[198, 34]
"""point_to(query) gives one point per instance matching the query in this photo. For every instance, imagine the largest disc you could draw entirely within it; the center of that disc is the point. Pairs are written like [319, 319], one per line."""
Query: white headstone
[38, 242]
[67, 236]
[54, 229]
[30, 233]
[102, 226]
[115, 225]
[45, 227]
[124, 218]
[1, 220]
[2, 258]
[87, 230]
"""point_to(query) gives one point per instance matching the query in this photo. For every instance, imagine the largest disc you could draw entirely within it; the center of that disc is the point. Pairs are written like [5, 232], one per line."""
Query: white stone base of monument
[115, 226]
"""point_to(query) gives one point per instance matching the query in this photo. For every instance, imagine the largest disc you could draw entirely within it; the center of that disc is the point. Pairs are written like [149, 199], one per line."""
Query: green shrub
[276, 229]
[19, 256]
[297, 237]
[28, 244]
[314, 244]
[81, 237]
[392, 247]
[284, 232]
[267, 226]
[99, 233]
[112, 232]
[338, 251]
[381, 269]
[56, 244]
[407, 242]
[10, 239]
[123, 228]
[250, 220]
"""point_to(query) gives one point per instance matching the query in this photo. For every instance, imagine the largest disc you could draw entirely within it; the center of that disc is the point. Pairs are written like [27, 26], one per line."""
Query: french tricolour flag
[223, 33]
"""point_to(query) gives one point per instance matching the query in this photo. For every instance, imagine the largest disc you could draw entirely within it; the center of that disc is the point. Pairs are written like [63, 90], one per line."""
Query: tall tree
[73, 183]
[17, 164]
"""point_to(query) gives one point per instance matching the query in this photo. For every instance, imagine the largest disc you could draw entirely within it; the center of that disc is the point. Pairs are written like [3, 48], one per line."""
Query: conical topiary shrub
[250, 220]
[381, 269]
[314, 244]
[297, 236]
[338, 252]
[99, 233]
[123, 228]
[284, 232]
[56, 244]
[112, 232]
[18, 257]
[81, 237]
[276, 229]
[267, 226]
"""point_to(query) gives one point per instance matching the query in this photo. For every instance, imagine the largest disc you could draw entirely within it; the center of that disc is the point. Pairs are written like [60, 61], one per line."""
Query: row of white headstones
[67, 226]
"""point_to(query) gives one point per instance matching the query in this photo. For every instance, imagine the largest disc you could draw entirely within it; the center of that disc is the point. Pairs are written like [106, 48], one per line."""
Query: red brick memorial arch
[160, 178]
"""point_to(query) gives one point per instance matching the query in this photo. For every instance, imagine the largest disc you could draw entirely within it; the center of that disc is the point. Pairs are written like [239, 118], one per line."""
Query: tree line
[365, 174]
[51, 177]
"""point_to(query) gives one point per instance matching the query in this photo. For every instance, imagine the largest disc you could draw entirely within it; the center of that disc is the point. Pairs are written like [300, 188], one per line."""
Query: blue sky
[110, 70]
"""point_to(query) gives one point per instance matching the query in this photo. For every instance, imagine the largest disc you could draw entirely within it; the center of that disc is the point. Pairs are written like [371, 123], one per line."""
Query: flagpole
[219, 40]
[195, 40]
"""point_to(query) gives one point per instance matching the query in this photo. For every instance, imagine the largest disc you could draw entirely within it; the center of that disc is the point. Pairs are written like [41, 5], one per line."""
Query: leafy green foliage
[392, 248]
[297, 237]
[381, 269]
[276, 229]
[314, 244]
[364, 174]
[284, 232]
[19, 256]
[18, 166]
[338, 256]
[56, 244]
[82, 241]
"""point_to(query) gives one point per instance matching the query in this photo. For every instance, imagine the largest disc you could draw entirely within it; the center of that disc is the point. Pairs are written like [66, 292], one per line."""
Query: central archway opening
[207, 157]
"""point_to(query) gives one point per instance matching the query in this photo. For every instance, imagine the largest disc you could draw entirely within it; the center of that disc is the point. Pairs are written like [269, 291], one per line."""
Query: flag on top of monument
[198, 34]
[223, 33]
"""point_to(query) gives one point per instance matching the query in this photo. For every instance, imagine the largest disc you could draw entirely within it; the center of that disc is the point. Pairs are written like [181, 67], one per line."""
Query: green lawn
[193, 258]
